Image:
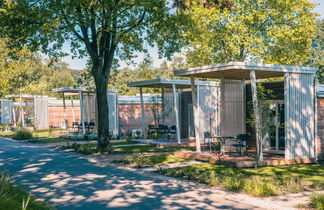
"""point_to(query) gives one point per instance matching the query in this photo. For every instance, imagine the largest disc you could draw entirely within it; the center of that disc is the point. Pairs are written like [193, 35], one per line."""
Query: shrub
[317, 201]
[22, 135]
[209, 177]
[86, 149]
[138, 159]
[92, 136]
[233, 183]
[292, 185]
[259, 186]
[77, 137]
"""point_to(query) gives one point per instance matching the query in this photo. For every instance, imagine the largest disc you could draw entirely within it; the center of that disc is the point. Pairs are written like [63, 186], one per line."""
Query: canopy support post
[143, 113]
[64, 110]
[256, 115]
[73, 114]
[195, 111]
[82, 113]
[176, 112]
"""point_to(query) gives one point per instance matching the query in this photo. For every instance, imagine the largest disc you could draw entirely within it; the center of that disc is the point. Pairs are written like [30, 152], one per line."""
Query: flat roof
[320, 91]
[74, 91]
[167, 83]
[241, 70]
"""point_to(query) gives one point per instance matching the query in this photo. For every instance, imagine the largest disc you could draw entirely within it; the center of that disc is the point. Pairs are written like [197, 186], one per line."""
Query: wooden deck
[246, 161]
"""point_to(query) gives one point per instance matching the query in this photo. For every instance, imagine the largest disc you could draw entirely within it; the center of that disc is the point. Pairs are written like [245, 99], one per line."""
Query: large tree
[97, 29]
[268, 31]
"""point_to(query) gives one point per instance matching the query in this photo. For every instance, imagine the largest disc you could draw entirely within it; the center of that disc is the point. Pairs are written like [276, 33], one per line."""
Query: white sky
[81, 63]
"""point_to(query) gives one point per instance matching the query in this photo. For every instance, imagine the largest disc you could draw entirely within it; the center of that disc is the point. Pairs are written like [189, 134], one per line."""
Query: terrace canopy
[72, 91]
[299, 100]
[174, 85]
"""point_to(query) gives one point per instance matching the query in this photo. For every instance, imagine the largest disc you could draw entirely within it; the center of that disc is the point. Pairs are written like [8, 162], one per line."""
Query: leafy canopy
[268, 31]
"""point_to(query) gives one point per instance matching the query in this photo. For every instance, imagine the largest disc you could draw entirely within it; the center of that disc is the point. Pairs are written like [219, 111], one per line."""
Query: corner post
[176, 112]
[195, 110]
[257, 115]
[82, 113]
[64, 110]
[143, 113]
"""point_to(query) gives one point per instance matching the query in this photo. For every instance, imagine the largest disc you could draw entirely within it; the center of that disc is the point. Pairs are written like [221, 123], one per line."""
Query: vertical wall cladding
[5, 111]
[168, 107]
[89, 103]
[320, 129]
[299, 116]
[113, 112]
[209, 109]
[41, 111]
[232, 108]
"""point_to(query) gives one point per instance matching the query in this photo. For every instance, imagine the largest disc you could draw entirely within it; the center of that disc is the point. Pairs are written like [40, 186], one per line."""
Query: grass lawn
[149, 148]
[91, 148]
[139, 160]
[317, 201]
[49, 140]
[37, 133]
[13, 196]
[265, 181]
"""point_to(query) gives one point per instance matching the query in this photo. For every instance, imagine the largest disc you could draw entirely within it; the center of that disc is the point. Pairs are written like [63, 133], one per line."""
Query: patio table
[223, 140]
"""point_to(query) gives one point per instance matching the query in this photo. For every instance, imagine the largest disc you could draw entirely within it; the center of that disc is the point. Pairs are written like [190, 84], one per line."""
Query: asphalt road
[74, 182]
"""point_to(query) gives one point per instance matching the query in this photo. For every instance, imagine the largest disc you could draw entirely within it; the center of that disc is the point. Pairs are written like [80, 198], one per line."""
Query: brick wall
[320, 129]
[130, 116]
[56, 116]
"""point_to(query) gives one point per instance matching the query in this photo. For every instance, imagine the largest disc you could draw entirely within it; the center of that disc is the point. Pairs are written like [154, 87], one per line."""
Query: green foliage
[317, 54]
[14, 197]
[260, 186]
[267, 31]
[265, 181]
[138, 159]
[22, 135]
[234, 184]
[92, 136]
[317, 201]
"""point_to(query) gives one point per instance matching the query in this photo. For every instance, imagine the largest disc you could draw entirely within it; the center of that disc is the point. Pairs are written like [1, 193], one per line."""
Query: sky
[80, 64]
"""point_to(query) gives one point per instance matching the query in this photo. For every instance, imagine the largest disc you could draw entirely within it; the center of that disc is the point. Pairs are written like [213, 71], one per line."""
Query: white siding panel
[209, 107]
[41, 112]
[299, 116]
[232, 108]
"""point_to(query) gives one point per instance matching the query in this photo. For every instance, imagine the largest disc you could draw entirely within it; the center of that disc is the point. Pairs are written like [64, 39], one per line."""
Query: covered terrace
[174, 96]
[297, 107]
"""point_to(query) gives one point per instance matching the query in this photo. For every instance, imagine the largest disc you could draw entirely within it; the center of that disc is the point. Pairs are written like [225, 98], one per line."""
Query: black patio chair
[173, 132]
[75, 127]
[241, 140]
[163, 131]
[91, 127]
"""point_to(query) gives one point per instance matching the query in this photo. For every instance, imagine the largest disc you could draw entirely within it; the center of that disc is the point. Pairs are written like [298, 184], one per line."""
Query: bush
[317, 201]
[259, 186]
[77, 137]
[14, 197]
[138, 159]
[92, 136]
[22, 135]
[233, 183]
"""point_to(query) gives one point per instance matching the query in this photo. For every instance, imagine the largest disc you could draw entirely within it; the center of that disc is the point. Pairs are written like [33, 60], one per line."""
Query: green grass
[49, 140]
[37, 133]
[148, 148]
[91, 148]
[265, 181]
[317, 201]
[13, 196]
[139, 160]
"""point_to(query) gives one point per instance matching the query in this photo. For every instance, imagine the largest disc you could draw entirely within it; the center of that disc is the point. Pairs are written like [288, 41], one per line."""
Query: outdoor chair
[75, 127]
[240, 145]
[81, 127]
[173, 132]
[163, 131]
[91, 127]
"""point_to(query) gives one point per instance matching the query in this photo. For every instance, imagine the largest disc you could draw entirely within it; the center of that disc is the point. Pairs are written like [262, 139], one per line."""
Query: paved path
[74, 182]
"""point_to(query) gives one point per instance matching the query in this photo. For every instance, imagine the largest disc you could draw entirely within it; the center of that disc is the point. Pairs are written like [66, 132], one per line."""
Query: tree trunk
[101, 80]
